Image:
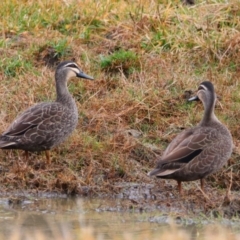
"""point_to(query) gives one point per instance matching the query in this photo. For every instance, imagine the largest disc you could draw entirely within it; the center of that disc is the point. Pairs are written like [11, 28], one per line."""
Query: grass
[144, 56]
[15, 66]
[127, 61]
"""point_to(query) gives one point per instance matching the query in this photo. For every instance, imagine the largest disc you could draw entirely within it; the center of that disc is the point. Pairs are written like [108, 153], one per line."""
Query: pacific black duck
[197, 152]
[47, 124]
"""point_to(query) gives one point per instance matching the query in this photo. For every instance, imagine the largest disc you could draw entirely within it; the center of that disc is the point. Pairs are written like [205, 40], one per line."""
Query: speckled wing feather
[184, 149]
[36, 125]
[32, 118]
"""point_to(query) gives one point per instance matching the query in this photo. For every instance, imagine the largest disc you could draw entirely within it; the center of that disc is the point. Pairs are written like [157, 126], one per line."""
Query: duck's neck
[62, 92]
[209, 114]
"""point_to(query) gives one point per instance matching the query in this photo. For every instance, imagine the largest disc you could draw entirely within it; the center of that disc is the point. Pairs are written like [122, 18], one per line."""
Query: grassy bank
[146, 58]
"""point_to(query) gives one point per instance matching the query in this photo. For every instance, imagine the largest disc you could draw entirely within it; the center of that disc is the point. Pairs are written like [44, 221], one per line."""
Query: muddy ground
[154, 195]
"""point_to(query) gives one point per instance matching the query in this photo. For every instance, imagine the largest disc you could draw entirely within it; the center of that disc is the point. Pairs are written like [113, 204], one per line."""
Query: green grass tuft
[15, 66]
[127, 61]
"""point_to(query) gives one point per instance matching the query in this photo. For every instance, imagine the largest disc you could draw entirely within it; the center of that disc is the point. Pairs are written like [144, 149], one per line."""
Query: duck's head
[68, 69]
[205, 93]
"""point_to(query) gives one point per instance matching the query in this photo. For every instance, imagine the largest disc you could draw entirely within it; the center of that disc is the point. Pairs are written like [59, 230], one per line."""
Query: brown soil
[18, 181]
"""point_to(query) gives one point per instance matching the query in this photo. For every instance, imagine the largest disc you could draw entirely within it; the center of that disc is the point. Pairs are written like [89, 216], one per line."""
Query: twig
[203, 193]
[228, 192]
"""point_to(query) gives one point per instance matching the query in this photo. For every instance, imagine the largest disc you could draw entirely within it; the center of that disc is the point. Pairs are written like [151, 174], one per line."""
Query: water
[53, 215]
[66, 216]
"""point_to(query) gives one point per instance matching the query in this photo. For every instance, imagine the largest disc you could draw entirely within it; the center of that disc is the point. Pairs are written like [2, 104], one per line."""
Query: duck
[47, 124]
[200, 151]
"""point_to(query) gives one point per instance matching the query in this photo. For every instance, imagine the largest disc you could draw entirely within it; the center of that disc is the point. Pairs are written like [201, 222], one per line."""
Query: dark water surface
[107, 218]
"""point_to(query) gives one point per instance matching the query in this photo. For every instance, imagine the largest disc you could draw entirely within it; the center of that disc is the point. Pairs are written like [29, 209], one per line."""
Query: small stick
[228, 192]
[47, 153]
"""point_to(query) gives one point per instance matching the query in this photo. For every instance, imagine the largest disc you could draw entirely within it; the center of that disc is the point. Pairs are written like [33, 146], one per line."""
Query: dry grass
[137, 104]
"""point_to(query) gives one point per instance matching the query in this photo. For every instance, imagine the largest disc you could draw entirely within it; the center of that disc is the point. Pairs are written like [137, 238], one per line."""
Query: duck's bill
[195, 98]
[84, 75]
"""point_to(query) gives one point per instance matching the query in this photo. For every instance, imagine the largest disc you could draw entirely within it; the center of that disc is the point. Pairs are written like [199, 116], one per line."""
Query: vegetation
[147, 57]
[120, 60]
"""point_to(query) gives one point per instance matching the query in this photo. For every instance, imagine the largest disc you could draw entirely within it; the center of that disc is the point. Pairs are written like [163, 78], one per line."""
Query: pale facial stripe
[71, 63]
[204, 87]
[73, 66]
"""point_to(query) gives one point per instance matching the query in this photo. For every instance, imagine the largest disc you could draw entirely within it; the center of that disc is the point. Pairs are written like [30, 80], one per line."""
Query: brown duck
[47, 124]
[197, 152]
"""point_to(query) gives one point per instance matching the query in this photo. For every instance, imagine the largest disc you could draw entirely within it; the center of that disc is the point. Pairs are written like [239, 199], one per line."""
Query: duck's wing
[177, 141]
[32, 118]
[182, 150]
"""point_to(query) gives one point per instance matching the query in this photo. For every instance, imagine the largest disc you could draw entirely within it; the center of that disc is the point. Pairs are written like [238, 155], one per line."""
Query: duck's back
[42, 126]
[196, 153]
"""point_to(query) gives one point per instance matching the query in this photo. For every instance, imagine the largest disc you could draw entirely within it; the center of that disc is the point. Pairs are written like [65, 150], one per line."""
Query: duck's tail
[6, 144]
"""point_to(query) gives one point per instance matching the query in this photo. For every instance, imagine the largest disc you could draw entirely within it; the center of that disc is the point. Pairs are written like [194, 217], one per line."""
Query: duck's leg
[202, 184]
[179, 187]
[202, 189]
[47, 153]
